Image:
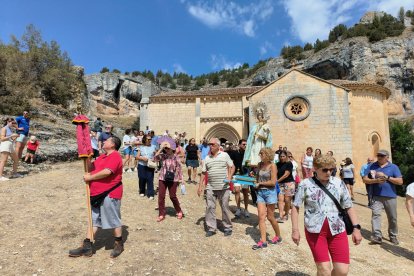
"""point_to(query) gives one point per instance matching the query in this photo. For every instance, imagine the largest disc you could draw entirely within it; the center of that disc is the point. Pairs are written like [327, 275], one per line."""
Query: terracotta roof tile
[208, 92]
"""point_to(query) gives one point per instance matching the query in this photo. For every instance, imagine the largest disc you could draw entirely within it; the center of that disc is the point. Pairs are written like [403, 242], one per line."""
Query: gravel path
[44, 215]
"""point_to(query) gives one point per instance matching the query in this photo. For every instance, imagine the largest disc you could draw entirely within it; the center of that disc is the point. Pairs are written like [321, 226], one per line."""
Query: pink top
[170, 163]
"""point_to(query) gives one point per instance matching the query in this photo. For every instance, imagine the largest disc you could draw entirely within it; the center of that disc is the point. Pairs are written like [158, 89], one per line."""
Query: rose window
[297, 108]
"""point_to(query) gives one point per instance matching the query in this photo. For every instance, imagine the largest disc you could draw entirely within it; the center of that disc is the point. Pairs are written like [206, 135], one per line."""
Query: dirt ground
[43, 215]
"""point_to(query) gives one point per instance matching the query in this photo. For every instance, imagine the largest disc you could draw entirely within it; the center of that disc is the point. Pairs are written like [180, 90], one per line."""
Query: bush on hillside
[31, 67]
[402, 148]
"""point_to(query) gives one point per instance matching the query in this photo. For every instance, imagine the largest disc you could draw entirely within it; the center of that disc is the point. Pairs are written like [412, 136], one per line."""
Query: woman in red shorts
[324, 229]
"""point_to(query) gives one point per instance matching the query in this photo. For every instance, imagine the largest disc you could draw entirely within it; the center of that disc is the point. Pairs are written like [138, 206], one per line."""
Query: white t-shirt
[127, 140]
[410, 190]
[347, 171]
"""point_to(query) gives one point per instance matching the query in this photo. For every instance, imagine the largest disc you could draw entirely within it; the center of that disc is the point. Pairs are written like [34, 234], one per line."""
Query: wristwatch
[357, 226]
[388, 177]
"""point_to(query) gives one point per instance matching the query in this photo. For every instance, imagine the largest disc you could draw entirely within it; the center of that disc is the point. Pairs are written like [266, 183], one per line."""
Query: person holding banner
[105, 180]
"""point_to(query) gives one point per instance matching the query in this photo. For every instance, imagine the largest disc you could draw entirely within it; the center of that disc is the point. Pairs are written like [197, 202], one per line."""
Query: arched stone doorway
[375, 140]
[224, 132]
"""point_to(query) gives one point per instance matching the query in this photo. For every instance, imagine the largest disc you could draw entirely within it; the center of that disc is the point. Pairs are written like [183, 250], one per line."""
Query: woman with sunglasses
[8, 138]
[266, 197]
[145, 173]
[287, 185]
[324, 228]
[170, 175]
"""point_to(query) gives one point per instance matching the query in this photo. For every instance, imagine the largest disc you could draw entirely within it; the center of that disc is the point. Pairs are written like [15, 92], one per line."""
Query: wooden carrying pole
[88, 200]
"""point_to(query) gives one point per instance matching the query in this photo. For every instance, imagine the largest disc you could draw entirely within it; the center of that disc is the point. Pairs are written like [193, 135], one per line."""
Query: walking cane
[85, 152]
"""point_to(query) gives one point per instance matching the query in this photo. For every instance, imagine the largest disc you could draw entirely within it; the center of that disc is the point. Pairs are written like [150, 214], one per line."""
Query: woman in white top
[127, 150]
[348, 176]
[8, 138]
[307, 163]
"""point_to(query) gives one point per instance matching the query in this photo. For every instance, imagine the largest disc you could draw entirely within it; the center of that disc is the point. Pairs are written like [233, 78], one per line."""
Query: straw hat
[165, 144]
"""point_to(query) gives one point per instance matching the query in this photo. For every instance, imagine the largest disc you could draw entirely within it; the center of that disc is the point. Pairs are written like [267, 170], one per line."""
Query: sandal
[180, 215]
[160, 218]
[259, 245]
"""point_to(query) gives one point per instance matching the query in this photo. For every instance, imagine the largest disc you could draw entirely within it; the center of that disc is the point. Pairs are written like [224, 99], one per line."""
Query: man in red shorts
[105, 178]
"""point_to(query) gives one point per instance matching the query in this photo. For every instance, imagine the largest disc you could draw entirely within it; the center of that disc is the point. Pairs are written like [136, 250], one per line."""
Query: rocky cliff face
[116, 94]
[389, 62]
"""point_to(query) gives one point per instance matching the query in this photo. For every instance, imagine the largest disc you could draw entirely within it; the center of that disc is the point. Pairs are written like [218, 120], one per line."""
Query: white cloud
[178, 68]
[314, 19]
[391, 7]
[266, 47]
[231, 15]
[219, 62]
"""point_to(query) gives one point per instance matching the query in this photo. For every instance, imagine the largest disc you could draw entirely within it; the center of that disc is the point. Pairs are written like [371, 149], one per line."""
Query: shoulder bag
[342, 212]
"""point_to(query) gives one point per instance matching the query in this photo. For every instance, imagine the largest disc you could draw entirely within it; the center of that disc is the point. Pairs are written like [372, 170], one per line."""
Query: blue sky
[194, 37]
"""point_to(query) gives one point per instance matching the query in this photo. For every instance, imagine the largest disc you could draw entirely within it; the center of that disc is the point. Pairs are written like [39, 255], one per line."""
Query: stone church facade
[350, 118]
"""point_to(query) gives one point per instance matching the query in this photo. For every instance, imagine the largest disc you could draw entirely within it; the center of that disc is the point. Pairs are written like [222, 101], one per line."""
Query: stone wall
[369, 117]
[327, 127]
[176, 115]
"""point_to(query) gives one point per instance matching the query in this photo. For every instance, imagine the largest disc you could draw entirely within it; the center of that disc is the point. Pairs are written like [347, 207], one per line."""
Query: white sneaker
[151, 198]
[4, 178]
[141, 195]
[238, 213]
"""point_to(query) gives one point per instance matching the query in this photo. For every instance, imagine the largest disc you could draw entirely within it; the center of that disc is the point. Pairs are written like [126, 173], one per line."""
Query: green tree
[319, 45]
[308, 46]
[116, 71]
[402, 148]
[214, 79]
[401, 15]
[104, 70]
[337, 32]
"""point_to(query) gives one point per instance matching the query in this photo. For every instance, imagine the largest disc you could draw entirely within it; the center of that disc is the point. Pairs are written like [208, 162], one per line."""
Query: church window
[297, 108]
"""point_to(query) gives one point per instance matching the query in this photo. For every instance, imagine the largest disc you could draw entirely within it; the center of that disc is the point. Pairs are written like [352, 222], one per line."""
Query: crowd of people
[322, 192]
[14, 138]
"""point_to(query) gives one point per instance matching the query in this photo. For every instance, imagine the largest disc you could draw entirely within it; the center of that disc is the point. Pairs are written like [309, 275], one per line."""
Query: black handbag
[342, 212]
[97, 200]
[169, 174]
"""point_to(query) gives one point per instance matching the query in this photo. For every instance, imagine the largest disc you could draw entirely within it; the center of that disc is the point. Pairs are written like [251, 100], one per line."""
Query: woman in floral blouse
[324, 229]
[170, 163]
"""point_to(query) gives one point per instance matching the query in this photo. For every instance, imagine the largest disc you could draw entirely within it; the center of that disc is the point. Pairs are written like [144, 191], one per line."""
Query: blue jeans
[146, 180]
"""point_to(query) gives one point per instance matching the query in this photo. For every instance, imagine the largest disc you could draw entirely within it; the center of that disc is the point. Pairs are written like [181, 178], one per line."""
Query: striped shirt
[216, 167]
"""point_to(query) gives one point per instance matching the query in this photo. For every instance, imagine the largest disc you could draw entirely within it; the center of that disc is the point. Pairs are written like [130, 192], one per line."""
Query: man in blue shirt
[365, 171]
[383, 176]
[23, 125]
[204, 149]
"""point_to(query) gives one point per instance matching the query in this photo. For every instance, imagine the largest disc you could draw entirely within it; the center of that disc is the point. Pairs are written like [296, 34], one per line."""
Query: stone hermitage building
[347, 117]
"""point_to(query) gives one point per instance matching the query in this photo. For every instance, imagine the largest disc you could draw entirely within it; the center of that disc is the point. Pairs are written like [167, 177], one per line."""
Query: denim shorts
[128, 151]
[267, 196]
[192, 163]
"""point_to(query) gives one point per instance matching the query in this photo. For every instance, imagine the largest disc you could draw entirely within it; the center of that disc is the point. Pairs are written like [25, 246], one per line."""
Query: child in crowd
[32, 146]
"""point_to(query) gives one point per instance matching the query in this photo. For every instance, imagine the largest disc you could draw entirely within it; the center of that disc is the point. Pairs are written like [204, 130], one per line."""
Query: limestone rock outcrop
[116, 94]
[389, 62]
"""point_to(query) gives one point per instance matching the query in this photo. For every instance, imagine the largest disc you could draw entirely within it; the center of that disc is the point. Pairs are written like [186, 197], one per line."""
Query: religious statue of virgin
[259, 136]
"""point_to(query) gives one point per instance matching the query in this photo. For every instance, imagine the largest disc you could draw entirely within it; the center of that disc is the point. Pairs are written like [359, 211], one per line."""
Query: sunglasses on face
[211, 144]
[290, 156]
[325, 170]
[243, 144]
